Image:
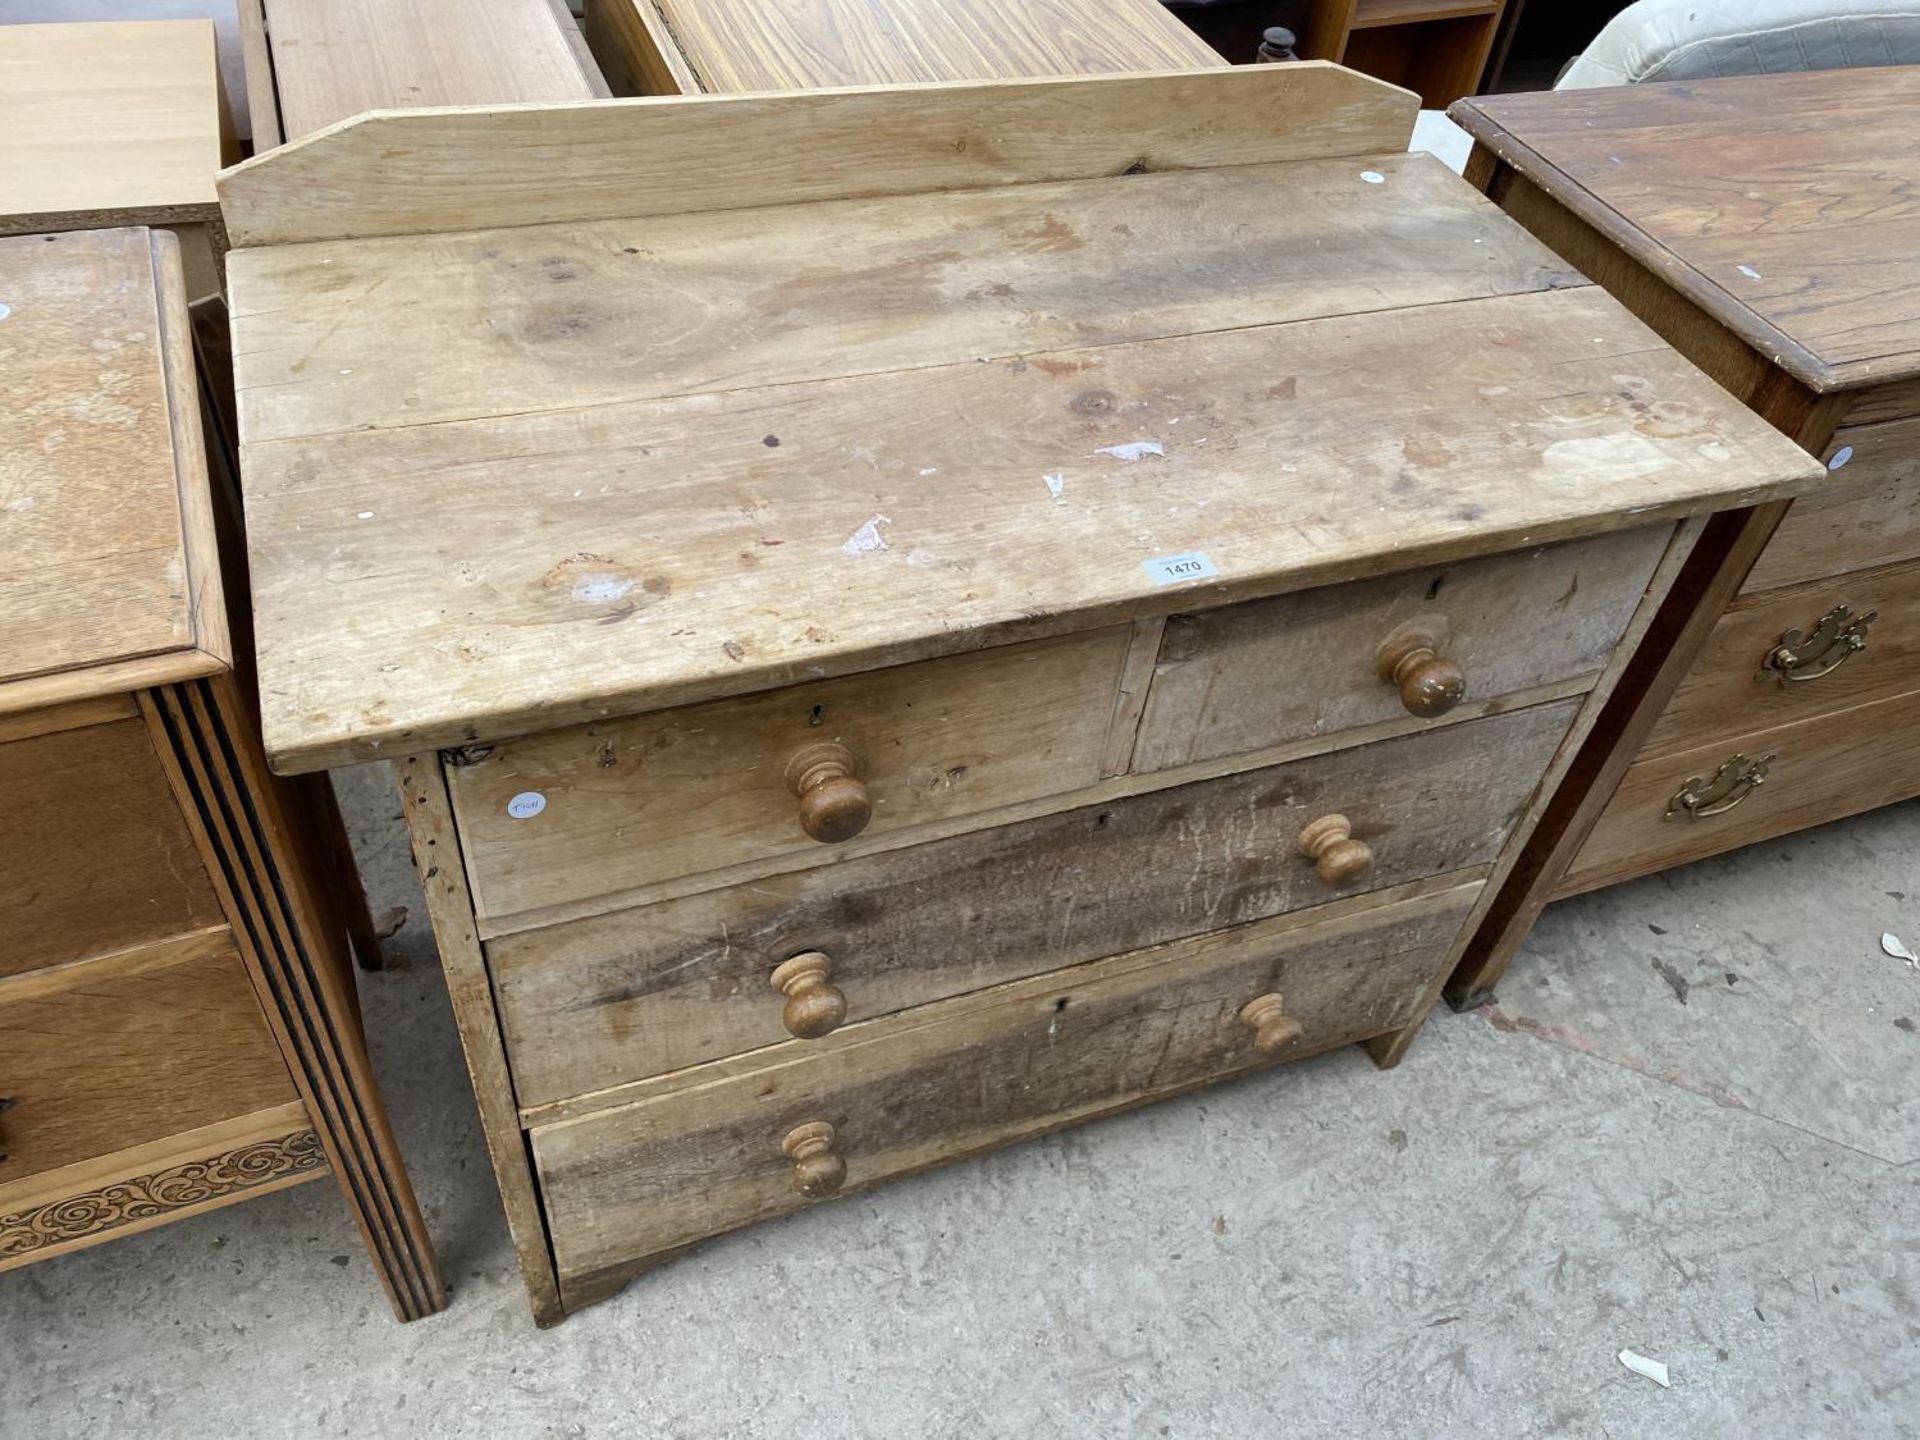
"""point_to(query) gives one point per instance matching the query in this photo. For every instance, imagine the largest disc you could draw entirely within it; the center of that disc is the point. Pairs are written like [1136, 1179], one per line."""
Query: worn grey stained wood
[977, 1072]
[1785, 206]
[634, 801]
[1244, 677]
[600, 1002]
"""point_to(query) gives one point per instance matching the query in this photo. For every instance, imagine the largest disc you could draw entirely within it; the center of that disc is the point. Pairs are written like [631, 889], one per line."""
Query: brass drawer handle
[814, 1007]
[817, 1171]
[1732, 783]
[1799, 658]
[1273, 1029]
[1338, 858]
[834, 804]
[1430, 684]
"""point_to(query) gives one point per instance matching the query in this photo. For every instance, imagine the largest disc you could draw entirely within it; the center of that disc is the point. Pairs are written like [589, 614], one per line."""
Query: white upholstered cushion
[1694, 39]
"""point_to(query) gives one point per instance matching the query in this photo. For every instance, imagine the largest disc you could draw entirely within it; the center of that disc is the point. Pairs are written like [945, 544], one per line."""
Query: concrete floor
[1688, 1128]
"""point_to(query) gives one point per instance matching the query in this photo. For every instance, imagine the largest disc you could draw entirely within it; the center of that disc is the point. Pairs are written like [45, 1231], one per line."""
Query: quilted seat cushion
[1694, 39]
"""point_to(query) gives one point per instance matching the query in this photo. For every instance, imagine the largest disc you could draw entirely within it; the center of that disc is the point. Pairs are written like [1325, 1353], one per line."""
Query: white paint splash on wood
[1604, 457]
[1373, 177]
[1748, 271]
[599, 589]
[1055, 484]
[867, 538]
[1134, 450]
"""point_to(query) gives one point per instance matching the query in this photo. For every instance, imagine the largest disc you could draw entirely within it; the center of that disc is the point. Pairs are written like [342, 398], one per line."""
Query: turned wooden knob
[1338, 858]
[1273, 1029]
[817, 1171]
[814, 1007]
[834, 804]
[1430, 684]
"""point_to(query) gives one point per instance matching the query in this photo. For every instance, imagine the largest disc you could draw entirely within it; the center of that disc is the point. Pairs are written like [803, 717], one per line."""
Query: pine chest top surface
[503, 479]
[110, 575]
[1785, 206]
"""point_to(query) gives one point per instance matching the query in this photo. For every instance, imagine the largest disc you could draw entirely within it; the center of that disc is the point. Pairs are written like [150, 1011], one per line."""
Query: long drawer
[599, 1002]
[1795, 654]
[1244, 677]
[1836, 764]
[897, 1095]
[107, 1054]
[98, 857]
[1869, 515]
[601, 808]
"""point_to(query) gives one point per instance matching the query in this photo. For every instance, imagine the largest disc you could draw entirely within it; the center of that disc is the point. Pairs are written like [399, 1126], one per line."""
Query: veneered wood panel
[627, 802]
[736, 45]
[115, 1055]
[333, 59]
[1729, 692]
[974, 1073]
[425, 171]
[561, 316]
[1825, 768]
[1787, 206]
[116, 122]
[98, 856]
[543, 596]
[1868, 515]
[1248, 676]
[601, 1002]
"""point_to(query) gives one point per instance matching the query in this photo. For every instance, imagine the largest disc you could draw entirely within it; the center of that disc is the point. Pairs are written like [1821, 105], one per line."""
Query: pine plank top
[1785, 206]
[745, 45]
[110, 123]
[336, 58]
[109, 565]
[950, 441]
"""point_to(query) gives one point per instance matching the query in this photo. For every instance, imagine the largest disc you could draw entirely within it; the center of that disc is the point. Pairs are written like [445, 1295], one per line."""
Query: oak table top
[1785, 206]
[683, 440]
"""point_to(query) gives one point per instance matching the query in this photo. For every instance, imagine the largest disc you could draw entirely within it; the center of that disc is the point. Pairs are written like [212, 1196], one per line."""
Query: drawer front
[1271, 671]
[109, 1054]
[1868, 515]
[606, 807]
[98, 856]
[1821, 769]
[1790, 655]
[977, 1072]
[599, 1002]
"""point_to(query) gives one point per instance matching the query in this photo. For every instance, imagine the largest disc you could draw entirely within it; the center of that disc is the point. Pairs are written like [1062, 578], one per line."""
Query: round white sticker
[1840, 457]
[526, 805]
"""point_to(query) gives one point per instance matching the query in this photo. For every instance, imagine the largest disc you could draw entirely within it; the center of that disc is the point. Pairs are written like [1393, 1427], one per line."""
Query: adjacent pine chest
[178, 1027]
[1058, 592]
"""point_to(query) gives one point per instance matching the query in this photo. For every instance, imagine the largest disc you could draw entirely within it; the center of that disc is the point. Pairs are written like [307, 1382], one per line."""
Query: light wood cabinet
[1072, 525]
[178, 1025]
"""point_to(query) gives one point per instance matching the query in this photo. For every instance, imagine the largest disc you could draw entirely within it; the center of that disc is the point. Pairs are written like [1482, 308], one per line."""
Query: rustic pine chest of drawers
[1064, 593]
[1767, 228]
[178, 1027]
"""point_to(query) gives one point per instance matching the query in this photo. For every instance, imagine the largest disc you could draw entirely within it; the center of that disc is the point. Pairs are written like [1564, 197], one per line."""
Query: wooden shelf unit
[1437, 48]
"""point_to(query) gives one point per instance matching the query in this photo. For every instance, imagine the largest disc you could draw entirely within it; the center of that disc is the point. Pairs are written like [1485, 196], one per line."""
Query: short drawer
[899, 1095]
[1868, 515]
[104, 1055]
[1267, 672]
[607, 807]
[1789, 655]
[599, 1002]
[98, 857]
[1836, 764]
